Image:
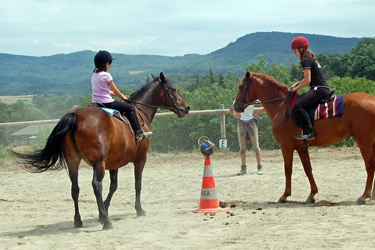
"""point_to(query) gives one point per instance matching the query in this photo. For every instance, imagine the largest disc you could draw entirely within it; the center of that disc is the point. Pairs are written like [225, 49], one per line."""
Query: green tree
[212, 77]
[349, 85]
[221, 80]
[364, 59]
[280, 73]
[335, 64]
[296, 73]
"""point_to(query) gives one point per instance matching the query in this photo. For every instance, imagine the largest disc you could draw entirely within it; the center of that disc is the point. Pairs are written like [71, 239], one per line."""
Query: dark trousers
[303, 104]
[310, 98]
[126, 110]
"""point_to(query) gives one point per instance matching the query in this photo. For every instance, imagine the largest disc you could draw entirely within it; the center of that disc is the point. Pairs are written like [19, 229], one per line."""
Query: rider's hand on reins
[124, 97]
[291, 89]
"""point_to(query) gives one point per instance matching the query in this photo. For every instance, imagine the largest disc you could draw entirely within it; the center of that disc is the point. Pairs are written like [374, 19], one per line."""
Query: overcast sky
[169, 27]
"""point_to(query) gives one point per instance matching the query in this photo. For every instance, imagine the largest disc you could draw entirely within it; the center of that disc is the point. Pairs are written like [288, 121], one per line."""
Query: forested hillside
[353, 71]
[275, 47]
[69, 74]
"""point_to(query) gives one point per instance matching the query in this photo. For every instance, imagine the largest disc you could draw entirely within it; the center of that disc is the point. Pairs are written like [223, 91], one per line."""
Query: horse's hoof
[310, 201]
[141, 213]
[78, 224]
[101, 220]
[361, 202]
[281, 201]
[107, 225]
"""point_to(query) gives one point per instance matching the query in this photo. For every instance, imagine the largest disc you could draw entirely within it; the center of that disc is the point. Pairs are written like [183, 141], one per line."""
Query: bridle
[166, 89]
[248, 82]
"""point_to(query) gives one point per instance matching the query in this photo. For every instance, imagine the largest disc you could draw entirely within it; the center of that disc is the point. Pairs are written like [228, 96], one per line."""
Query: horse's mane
[272, 82]
[142, 89]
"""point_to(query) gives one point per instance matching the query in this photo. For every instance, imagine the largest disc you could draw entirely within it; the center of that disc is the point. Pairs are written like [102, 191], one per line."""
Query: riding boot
[243, 170]
[308, 131]
[139, 133]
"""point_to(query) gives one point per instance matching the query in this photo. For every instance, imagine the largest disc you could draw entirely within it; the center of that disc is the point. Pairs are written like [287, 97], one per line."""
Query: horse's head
[243, 96]
[171, 98]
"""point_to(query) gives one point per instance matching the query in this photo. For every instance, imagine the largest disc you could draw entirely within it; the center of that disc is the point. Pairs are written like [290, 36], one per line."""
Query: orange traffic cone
[209, 202]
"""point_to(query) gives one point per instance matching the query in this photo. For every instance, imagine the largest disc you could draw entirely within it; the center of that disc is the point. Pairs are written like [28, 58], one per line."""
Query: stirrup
[142, 135]
[310, 136]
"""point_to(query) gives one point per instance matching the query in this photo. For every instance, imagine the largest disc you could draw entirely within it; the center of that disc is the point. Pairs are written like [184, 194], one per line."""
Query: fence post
[223, 136]
[222, 123]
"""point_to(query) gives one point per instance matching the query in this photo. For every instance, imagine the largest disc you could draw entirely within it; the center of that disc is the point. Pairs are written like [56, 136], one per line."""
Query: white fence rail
[157, 115]
[222, 111]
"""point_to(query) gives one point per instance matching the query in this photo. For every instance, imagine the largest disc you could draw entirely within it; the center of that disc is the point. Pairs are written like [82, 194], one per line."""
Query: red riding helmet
[299, 42]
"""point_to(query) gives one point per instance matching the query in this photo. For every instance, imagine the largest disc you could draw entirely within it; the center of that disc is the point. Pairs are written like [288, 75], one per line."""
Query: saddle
[113, 114]
[330, 106]
[118, 115]
[333, 108]
[292, 98]
[331, 95]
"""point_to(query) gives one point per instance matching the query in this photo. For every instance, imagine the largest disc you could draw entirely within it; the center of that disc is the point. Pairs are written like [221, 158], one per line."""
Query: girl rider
[103, 88]
[313, 76]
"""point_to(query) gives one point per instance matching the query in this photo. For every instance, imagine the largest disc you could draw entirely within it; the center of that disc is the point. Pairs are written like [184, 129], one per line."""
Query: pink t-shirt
[100, 87]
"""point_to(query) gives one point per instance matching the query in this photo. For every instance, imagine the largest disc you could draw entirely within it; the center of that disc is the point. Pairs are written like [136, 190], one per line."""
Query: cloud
[169, 27]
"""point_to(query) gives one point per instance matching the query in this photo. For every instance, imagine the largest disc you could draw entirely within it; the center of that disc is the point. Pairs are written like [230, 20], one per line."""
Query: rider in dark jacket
[313, 76]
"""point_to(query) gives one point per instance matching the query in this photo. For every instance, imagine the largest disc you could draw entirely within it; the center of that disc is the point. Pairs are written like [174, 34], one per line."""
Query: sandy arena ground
[36, 210]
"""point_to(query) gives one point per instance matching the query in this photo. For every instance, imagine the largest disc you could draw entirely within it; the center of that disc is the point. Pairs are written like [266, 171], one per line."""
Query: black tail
[46, 159]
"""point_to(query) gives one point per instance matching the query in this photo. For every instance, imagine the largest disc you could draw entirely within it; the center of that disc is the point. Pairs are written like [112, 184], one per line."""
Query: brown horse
[105, 143]
[358, 120]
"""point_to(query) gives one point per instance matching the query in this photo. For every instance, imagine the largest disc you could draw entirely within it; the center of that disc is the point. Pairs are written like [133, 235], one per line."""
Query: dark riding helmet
[299, 42]
[102, 57]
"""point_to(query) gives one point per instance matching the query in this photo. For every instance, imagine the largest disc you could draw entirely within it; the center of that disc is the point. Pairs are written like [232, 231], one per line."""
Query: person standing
[247, 123]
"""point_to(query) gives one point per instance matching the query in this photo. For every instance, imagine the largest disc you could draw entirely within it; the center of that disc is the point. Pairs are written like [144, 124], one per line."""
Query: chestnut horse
[358, 120]
[105, 143]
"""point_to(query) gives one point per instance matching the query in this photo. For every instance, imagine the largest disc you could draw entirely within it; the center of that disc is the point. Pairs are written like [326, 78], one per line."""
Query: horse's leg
[73, 174]
[138, 169]
[288, 168]
[367, 151]
[99, 171]
[73, 159]
[373, 189]
[306, 163]
[112, 189]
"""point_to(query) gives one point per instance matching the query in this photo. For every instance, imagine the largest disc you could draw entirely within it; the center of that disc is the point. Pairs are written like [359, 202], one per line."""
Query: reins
[287, 111]
[268, 101]
[155, 106]
[145, 104]
[289, 104]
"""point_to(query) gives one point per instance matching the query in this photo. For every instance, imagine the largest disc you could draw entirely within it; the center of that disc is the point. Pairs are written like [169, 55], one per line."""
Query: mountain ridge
[71, 73]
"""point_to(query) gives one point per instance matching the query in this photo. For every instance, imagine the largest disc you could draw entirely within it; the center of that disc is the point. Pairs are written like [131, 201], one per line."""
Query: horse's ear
[247, 75]
[162, 77]
[153, 77]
